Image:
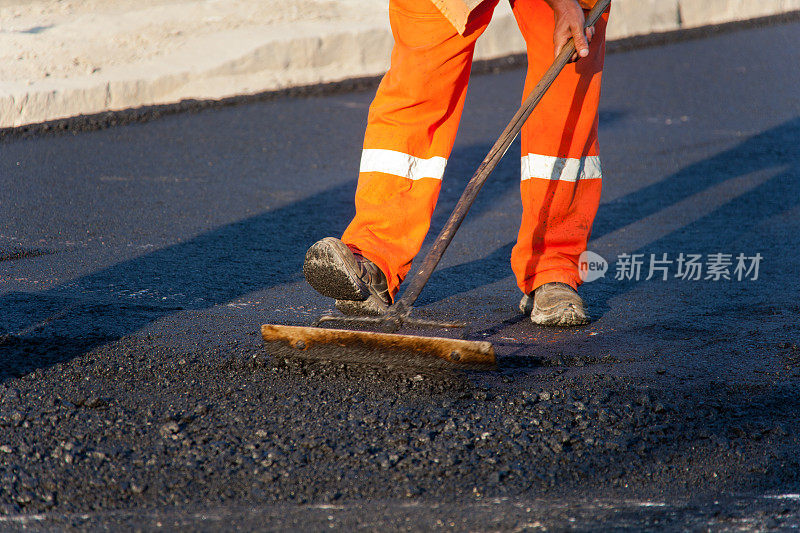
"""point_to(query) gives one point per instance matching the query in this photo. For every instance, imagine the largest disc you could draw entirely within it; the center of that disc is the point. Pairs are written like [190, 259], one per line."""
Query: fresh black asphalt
[138, 262]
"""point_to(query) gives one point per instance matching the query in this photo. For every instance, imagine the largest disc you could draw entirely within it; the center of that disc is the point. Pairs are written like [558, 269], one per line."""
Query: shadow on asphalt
[775, 149]
[773, 153]
[253, 254]
[266, 250]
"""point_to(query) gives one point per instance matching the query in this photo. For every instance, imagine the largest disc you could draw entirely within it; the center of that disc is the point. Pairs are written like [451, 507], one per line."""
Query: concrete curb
[255, 59]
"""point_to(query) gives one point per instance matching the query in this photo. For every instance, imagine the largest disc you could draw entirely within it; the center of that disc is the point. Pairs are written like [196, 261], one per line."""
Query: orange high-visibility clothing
[412, 126]
[458, 11]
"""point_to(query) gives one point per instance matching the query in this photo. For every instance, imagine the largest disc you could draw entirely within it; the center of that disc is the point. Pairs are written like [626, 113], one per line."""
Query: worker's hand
[569, 23]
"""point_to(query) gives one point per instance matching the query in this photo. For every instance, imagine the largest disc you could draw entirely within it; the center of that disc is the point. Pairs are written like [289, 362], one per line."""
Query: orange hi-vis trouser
[412, 127]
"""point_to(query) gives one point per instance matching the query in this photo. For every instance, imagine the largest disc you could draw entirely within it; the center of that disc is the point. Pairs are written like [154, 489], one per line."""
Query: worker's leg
[411, 129]
[561, 176]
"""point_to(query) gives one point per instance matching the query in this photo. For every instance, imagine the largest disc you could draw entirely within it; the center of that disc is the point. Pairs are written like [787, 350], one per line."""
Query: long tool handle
[403, 306]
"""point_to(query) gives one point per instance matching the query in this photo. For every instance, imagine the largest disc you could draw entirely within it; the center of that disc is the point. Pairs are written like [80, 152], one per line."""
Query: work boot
[554, 304]
[356, 283]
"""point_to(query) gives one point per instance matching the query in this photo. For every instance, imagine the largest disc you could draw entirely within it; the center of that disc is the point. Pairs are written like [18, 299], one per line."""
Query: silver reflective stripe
[561, 168]
[403, 165]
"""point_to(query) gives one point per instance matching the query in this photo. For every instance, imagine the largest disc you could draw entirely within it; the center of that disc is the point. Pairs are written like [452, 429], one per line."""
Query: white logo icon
[591, 266]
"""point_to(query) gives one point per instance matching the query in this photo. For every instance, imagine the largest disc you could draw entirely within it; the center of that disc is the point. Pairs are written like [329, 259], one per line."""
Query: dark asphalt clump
[138, 425]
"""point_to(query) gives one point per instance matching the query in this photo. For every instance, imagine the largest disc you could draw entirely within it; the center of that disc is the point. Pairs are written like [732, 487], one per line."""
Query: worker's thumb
[581, 45]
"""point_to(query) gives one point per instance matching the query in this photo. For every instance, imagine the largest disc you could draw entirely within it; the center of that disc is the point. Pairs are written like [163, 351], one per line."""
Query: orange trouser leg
[410, 132]
[560, 165]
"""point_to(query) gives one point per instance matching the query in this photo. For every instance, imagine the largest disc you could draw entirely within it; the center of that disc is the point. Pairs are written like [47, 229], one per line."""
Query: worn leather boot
[554, 304]
[356, 283]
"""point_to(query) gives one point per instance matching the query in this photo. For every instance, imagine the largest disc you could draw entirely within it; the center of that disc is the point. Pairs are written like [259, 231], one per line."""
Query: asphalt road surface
[138, 262]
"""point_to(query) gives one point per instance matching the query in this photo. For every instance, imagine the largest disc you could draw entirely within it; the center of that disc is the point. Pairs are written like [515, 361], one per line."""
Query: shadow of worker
[254, 254]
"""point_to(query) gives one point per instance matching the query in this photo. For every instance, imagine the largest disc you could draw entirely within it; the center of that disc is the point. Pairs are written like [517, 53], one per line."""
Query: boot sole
[331, 270]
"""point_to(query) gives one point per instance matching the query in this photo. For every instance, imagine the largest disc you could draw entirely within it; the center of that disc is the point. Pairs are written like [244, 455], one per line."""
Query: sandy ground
[71, 38]
[47, 39]
[65, 58]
